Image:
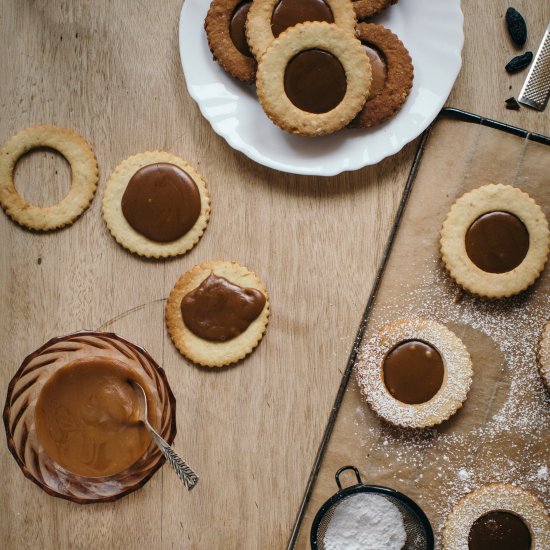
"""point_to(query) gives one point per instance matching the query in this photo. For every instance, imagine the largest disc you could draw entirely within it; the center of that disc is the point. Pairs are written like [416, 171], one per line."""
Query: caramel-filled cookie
[217, 313]
[225, 30]
[313, 79]
[267, 19]
[84, 177]
[392, 75]
[414, 373]
[369, 8]
[156, 205]
[497, 516]
[495, 241]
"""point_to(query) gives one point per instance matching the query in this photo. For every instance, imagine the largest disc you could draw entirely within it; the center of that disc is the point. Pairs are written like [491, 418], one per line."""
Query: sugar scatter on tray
[503, 438]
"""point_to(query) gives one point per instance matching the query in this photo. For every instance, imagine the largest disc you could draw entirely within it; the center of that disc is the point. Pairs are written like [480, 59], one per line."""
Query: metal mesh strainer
[417, 527]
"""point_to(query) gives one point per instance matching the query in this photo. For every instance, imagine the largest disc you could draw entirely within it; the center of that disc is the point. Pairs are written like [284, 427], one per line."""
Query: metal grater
[536, 90]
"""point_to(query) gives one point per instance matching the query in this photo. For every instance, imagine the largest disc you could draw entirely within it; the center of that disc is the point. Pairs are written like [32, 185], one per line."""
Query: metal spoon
[188, 476]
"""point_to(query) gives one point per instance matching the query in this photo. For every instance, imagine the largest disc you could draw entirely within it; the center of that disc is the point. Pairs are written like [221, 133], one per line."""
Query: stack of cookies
[316, 69]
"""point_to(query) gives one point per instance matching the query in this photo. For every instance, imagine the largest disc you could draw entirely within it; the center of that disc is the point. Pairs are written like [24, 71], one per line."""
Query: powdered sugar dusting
[450, 396]
[543, 355]
[502, 432]
[493, 497]
[365, 522]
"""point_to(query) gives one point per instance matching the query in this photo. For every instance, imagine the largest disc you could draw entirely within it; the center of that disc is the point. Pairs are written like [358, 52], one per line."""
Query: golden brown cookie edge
[399, 81]
[178, 332]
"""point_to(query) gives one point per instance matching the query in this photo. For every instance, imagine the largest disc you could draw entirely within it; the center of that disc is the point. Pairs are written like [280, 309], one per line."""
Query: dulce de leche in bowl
[88, 417]
[73, 419]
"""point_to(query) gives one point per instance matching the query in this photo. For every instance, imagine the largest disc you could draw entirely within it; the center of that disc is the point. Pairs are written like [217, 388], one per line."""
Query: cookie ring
[223, 49]
[84, 177]
[399, 79]
[543, 355]
[124, 233]
[496, 497]
[450, 396]
[258, 22]
[271, 71]
[198, 350]
[368, 8]
[465, 211]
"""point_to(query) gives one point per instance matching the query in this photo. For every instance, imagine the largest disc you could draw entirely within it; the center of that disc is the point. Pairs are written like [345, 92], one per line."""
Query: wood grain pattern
[111, 71]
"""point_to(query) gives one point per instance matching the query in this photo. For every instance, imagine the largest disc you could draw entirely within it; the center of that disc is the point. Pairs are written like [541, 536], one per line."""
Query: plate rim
[335, 170]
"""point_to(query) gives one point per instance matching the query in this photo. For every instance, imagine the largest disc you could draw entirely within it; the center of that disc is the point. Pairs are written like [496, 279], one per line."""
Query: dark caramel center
[379, 70]
[499, 531]
[237, 28]
[219, 310]
[288, 13]
[315, 81]
[162, 202]
[413, 372]
[497, 242]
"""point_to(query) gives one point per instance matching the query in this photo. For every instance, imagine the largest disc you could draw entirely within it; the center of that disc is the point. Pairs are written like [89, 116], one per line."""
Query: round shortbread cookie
[496, 497]
[465, 211]
[84, 177]
[369, 8]
[199, 350]
[225, 52]
[271, 76]
[124, 233]
[399, 78]
[450, 396]
[258, 22]
[543, 354]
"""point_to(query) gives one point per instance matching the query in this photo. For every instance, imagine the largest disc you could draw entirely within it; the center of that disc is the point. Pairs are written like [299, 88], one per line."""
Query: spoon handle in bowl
[185, 473]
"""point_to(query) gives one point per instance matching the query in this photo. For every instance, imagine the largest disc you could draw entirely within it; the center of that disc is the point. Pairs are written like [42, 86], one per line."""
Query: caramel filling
[315, 81]
[499, 531]
[288, 13]
[162, 202]
[413, 372]
[237, 27]
[497, 242]
[87, 417]
[219, 310]
[379, 70]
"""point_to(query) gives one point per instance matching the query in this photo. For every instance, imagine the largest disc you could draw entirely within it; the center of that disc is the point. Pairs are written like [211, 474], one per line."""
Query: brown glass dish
[19, 417]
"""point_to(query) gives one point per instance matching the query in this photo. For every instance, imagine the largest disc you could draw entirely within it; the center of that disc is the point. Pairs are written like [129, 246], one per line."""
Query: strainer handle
[339, 472]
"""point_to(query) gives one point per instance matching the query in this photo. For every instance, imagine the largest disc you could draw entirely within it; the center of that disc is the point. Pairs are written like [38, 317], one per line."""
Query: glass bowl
[19, 418]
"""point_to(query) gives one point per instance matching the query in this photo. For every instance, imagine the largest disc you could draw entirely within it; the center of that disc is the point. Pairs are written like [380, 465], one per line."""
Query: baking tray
[447, 113]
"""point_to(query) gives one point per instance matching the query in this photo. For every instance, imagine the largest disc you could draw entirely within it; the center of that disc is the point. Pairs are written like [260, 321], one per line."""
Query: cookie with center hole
[225, 31]
[392, 75]
[369, 8]
[414, 373]
[313, 79]
[267, 19]
[84, 177]
[495, 241]
[498, 515]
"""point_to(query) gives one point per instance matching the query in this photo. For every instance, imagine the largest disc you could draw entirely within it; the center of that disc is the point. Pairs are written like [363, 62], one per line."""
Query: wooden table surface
[111, 71]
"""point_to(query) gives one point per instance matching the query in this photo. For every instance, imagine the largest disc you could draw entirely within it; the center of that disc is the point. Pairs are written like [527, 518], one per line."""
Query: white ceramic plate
[430, 29]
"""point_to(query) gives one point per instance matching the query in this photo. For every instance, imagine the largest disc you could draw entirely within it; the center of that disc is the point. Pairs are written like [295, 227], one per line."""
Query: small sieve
[417, 526]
